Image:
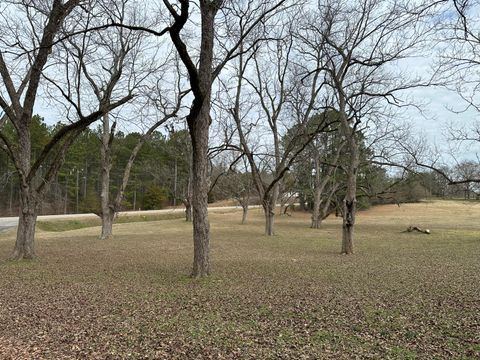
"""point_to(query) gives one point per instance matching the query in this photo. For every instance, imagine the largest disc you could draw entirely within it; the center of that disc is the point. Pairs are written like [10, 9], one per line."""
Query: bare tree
[326, 154]
[203, 68]
[233, 180]
[29, 47]
[242, 193]
[415, 155]
[101, 57]
[457, 69]
[272, 93]
[271, 106]
[110, 207]
[198, 120]
[102, 66]
[201, 76]
[364, 40]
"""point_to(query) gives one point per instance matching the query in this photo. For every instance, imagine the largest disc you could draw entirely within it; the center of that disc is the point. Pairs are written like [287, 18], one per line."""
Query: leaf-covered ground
[291, 296]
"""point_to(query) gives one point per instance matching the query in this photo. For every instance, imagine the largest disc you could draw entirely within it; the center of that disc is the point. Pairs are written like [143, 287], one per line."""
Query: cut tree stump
[416, 228]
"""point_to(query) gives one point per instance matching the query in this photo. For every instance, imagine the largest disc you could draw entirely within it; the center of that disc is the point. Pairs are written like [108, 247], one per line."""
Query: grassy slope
[401, 296]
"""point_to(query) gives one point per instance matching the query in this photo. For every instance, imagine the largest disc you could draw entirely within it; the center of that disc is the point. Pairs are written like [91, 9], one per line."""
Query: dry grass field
[291, 296]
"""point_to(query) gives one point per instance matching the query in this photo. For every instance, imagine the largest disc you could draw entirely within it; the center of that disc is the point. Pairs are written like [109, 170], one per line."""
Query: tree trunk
[349, 207]
[10, 204]
[27, 218]
[316, 218]
[244, 214]
[316, 221]
[65, 208]
[107, 214]
[350, 200]
[198, 123]
[106, 164]
[269, 210]
[322, 208]
[317, 193]
[201, 226]
[107, 224]
[301, 200]
[188, 211]
[325, 210]
[319, 222]
[269, 219]
[24, 245]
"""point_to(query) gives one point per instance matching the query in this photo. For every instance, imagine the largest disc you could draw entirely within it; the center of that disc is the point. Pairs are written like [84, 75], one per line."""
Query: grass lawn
[291, 296]
[66, 225]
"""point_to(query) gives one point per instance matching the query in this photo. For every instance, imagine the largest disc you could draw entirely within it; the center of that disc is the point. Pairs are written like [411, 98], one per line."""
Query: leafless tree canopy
[269, 83]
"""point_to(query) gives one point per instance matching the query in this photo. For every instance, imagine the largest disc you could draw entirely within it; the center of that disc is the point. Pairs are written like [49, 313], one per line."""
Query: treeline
[161, 171]
[159, 175]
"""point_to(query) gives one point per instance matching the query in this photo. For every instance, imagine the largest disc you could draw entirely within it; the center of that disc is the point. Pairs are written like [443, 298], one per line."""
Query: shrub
[155, 198]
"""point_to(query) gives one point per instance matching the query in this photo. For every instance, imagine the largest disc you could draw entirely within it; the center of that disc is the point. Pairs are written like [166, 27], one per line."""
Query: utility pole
[76, 191]
[175, 185]
[85, 180]
[11, 196]
[66, 193]
[135, 199]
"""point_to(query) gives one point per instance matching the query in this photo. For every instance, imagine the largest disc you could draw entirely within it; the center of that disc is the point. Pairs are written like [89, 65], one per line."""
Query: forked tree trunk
[269, 210]
[24, 245]
[323, 209]
[319, 215]
[269, 222]
[110, 208]
[319, 211]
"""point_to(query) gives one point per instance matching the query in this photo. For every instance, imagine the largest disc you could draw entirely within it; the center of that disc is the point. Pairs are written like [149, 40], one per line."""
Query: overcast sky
[436, 104]
[441, 109]
[432, 122]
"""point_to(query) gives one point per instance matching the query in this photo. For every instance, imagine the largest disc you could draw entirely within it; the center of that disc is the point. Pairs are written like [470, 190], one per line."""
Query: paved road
[11, 222]
[7, 223]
